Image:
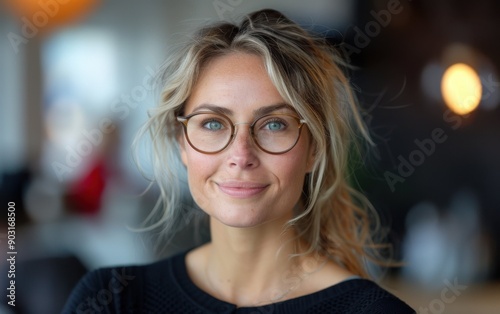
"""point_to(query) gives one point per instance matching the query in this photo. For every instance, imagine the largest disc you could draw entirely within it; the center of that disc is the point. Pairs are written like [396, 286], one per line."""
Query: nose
[242, 151]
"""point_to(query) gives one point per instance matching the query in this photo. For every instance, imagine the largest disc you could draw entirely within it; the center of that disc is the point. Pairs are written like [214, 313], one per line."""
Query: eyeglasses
[210, 133]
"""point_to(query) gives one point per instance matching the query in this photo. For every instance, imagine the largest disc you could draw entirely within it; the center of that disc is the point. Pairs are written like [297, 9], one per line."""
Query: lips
[241, 189]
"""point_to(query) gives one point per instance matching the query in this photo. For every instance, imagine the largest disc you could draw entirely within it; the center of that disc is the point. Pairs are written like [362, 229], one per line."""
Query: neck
[249, 266]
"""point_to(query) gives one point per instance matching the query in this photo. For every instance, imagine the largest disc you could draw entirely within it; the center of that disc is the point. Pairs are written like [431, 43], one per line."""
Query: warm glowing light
[461, 88]
[43, 16]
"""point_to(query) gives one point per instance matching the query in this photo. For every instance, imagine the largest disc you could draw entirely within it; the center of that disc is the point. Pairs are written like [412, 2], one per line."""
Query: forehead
[234, 64]
[237, 81]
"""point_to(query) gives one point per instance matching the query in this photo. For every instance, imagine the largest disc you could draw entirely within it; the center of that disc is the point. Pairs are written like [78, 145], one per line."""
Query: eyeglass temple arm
[182, 120]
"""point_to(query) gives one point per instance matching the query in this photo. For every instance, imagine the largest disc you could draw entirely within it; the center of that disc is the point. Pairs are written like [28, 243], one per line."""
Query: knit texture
[165, 287]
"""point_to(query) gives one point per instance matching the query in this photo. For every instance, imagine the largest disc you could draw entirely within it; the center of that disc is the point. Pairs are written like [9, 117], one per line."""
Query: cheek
[195, 174]
[199, 167]
[200, 170]
[196, 163]
[292, 171]
[289, 171]
[193, 160]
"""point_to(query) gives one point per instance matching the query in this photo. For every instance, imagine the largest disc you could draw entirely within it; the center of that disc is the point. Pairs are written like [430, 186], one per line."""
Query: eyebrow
[257, 112]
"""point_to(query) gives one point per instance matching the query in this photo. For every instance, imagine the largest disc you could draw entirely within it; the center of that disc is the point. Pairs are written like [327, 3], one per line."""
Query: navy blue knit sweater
[165, 287]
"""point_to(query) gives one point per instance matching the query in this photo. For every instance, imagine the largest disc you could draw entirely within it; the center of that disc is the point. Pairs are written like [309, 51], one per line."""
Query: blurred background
[76, 83]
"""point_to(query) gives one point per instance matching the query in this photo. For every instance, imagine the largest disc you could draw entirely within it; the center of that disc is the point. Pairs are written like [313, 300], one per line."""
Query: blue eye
[213, 125]
[275, 125]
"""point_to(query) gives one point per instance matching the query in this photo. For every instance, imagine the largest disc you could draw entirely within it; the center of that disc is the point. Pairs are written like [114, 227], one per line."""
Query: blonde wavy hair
[336, 220]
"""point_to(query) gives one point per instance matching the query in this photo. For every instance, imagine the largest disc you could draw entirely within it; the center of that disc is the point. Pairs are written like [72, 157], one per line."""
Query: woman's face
[243, 186]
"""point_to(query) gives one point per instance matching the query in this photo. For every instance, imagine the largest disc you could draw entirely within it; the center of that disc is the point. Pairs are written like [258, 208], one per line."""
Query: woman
[263, 120]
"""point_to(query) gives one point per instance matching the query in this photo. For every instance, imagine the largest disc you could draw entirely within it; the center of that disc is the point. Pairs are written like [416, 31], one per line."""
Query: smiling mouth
[242, 190]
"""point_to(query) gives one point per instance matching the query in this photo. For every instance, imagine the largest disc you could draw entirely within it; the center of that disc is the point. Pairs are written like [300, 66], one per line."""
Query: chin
[246, 218]
[240, 222]
[239, 218]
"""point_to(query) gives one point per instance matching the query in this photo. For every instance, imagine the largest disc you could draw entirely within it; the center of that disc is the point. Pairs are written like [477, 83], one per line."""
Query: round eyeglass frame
[184, 120]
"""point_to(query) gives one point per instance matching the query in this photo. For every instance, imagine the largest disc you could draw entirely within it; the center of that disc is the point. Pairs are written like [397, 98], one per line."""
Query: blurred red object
[85, 195]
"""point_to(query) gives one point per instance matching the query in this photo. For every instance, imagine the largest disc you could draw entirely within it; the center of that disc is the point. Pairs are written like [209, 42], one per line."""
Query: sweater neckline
[208, 302]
